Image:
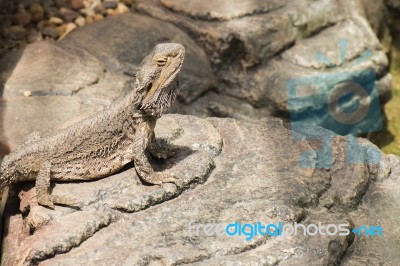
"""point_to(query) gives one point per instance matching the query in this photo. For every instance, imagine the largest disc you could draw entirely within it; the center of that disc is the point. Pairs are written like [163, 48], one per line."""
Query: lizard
[103, 143]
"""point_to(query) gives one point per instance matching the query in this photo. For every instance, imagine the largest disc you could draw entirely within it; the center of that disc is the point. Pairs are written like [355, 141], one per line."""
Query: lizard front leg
[42, 187]
[157, 151]
[141, 140]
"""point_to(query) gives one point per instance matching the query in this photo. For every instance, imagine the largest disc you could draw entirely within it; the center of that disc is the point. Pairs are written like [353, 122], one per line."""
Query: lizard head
[157, 78]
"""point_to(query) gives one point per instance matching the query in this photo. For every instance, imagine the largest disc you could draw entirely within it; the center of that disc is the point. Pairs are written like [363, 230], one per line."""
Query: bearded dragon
[103, 143]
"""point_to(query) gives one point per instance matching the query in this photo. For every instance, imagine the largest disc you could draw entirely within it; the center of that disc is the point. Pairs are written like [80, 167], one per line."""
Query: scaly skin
[103, 143]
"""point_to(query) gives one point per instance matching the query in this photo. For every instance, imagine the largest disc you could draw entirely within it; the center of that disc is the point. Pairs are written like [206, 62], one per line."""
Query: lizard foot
[50, 200]
[164, 154]
[159, 178]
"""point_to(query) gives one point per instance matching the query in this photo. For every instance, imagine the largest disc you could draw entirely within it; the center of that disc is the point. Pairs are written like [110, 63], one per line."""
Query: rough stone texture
[121, 50]
[246, 171]
[231, 170]
[222, 10]
[19, 116]
[379, 206]
[256, 51]
[80, 69]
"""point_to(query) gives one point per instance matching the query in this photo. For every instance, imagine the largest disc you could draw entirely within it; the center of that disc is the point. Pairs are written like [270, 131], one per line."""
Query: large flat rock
[256, 47]
[231, 171]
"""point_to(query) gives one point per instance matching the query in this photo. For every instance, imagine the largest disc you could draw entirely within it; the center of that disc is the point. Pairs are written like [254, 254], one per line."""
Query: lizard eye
[149, 86]
[161, 61]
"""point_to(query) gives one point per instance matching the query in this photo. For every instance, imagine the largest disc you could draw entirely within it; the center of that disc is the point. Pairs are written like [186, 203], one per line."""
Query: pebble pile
[27, 21]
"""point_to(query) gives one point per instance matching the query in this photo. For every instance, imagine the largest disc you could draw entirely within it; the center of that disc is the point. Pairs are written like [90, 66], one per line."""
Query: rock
[77, 4]
[221, 185]
[51, 31]
[68, 15]
[122, 8]
[40, 26]
[37, 12]
[22, 17]
[52, 12]
[128, 2]
[125, 49]
[17, 33]
[218, 10]
[68, 29]
[80, 21]
[56, 21]
[110, 4]
[245, 46]
[89, 19]
[46, 3]
[111, 12]
[79, 70]
[17, 111]
[98, 17]
[87, 12]
[62, 3]
[62, 29]
[100, 9]
[33, 36]
[216, 105]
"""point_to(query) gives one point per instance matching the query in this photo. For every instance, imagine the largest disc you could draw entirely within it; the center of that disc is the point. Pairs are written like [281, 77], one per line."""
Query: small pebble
[17, 33]
[98, 17]
[87, 4]
[122, 8]
[87, 12]
[37, 12]
[51, 31]
[89, 19]
[68, 15]
[111, 12]
[41, 25]
[51, 11]
[27, 93]
[22, 18]
[68, 28]
[77, 4]
[128, 2]
[80, 21]
[61, 3]
[110, 4]
[56, 21]
[33, 36]
[47, 3]
[62, 29]
[100, 9]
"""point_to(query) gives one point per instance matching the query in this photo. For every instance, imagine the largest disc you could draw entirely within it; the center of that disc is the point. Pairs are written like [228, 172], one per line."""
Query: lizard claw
[45, 201]
[159, 178]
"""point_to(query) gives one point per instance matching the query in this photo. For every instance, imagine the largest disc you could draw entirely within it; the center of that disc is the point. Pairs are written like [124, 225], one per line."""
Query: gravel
[22, 23]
